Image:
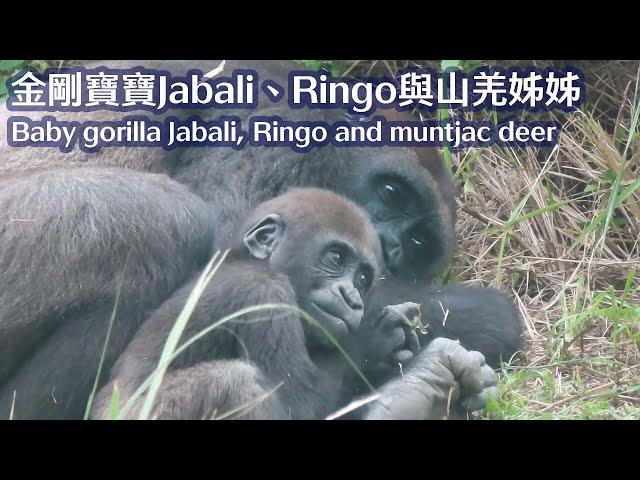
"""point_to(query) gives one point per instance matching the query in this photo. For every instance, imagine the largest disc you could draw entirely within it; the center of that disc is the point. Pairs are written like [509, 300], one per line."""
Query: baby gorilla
[308, 248]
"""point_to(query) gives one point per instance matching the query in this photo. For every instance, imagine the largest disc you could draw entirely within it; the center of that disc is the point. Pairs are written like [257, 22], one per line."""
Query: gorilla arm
[234, 364]
[482, 319]
[442, 378]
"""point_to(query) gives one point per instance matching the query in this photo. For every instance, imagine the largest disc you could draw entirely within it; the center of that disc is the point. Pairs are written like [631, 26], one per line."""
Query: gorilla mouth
[336, 325]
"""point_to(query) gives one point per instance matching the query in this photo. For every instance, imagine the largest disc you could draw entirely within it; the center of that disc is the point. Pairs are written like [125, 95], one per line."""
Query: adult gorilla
[311, 249]
[408, 193]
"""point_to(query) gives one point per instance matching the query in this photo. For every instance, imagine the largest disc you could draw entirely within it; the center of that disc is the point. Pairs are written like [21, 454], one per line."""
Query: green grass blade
[96, 382]
[613, 198]
[177, 329]
[114, 409]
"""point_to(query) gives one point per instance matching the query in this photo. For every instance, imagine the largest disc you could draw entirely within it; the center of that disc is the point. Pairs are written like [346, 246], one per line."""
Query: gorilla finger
[466, 367]
[409, 311]
[397, 338]
[479, 400]
[388, 318]
[402, 314]
[402, 356]
[380, 318]
[412, 342]
[477, 357]
[474, 402]
[391, 317]
[489, 376]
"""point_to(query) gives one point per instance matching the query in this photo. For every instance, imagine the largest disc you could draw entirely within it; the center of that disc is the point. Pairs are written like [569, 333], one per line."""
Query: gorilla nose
[353, 302]
[351, 296]
[392, 251]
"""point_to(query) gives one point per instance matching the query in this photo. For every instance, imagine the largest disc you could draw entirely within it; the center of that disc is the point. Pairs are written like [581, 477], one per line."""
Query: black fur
[273, 342]
[69, 276]
[65, 237]
[266, 348]
[234, 182]
[482, 319]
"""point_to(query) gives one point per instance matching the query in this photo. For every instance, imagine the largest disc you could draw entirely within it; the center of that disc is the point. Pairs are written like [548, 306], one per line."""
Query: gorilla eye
[335, 258]
[390, 192]
[363, 280]
[417, 241]
[390, 189]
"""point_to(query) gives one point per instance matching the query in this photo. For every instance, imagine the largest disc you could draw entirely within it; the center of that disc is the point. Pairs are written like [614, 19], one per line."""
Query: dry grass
[560, 230]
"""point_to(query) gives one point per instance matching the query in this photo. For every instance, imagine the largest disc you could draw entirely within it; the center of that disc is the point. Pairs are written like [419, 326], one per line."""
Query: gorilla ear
[263, 237]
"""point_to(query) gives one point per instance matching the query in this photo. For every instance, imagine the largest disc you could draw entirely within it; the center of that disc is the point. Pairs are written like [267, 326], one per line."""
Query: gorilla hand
[389, 337]
[441, 378]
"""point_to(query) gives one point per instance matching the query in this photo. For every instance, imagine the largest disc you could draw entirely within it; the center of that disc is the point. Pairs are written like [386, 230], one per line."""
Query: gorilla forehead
[318, 212]
[399, 162]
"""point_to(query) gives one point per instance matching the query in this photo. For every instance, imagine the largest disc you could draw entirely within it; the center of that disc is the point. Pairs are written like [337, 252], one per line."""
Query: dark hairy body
[408, 193]
[166, 233]
[309, 249]
[217, 368]
[69, 238]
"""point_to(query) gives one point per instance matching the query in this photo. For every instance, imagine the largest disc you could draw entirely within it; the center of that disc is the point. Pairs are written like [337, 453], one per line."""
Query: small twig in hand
[416, 323]
[449, 403]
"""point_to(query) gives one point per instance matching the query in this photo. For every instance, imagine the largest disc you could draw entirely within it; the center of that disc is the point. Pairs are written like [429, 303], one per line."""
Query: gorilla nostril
[351, 297]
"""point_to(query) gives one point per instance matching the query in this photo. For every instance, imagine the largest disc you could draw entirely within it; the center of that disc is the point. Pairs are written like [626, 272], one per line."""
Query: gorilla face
[328, 249]
[331, 273]
[332, 290]
[408, 234]
[403, 201]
